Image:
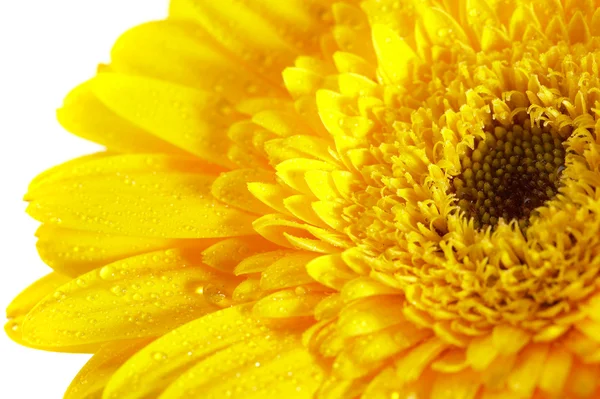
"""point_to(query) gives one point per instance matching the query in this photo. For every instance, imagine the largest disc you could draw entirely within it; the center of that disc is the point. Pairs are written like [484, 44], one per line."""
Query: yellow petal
[508, 339]
[106, 163]
[525, 374]
[190, 119]
[164, 359]
[463, 385]
[369, 315]
[75, 252]
[259, 262]
[411, 365]
[237, 359]
[275, 228]
[84, 115]
[288, 303]
[481, 352]
[225, 255]
[25, 301]
[244, 33]
[143, 296]
[232, 189]
[394, 54]
[289, 271]
[292, 172]
[330, 270]
[171, 205]
[288, 373]
[189, 57]
[556, 370]
[92, 378]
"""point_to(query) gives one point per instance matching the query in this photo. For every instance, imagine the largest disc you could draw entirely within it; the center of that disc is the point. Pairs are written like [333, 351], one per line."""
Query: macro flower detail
[330, 199]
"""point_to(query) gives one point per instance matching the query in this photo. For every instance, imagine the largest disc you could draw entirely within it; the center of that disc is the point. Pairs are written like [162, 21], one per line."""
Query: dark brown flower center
[510, 173]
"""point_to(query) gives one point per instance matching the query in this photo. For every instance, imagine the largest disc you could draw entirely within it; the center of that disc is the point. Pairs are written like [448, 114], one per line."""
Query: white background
[46, 48]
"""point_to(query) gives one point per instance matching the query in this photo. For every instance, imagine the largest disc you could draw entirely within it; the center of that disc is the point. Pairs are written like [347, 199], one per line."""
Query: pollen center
[510, 173]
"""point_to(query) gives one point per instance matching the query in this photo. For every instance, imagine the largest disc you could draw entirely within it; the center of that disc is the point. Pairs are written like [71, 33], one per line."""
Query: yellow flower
[331, 199]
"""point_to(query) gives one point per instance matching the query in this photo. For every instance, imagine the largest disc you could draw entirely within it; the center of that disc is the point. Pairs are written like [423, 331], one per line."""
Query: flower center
[510, 173]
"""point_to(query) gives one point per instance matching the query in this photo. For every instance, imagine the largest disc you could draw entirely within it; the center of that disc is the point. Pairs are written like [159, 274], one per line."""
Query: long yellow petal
[84, 115]
[217, 372]
[189, 57]
[191, 119]
[180, 349]
[143, 296]
[75, 252]
[25, 301]
[167, 205]
[92, 378]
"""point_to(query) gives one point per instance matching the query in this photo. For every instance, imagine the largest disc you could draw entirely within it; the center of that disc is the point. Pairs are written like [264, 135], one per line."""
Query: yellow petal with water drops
[368, 315]
[334, 388]
[315, 147]
[92, 378]
[299, 206]
[259, 262]
[25, 301]
[276, 228]
[352, 63]
[380, 345]
[75, 252]
[556, 371]
[362, 287]
[189, 57]
[84, 115]
[289, 271]
[248, 291]
[322, 185]
[462, 385]
[219, 367]
[301, 82]
[143, 296]
[282, 123]
[154, 367]
[244, 33]
[191, 119]
[301, 22]
[525, 375]
[351, 28]
[172, 205]
[441, 28]
[291, 373]
[297, 302]
[106, 163]
[332, 213]
[386, 384]
[331, 271]
[272, 195]
[493, 38]
[31, 295]
[410, 365]
[226, 254]
[232, 189]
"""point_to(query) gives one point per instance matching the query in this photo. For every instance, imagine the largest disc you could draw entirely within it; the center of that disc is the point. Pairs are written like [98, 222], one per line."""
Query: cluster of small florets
[510, 173]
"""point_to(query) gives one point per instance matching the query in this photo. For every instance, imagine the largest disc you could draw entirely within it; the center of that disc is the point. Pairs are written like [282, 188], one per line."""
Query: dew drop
[107, 273]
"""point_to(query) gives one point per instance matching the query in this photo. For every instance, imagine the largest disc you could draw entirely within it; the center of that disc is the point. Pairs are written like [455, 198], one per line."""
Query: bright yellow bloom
[331, 199]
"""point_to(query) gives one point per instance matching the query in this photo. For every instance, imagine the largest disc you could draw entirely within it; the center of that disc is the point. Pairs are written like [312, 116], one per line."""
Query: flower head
[331, 199]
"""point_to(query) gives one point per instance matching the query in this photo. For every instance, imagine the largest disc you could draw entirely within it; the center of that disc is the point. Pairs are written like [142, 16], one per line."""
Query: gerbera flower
[331, 199]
